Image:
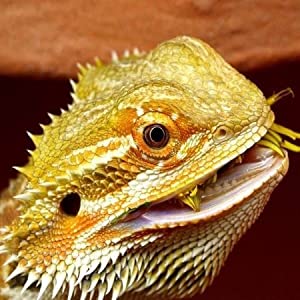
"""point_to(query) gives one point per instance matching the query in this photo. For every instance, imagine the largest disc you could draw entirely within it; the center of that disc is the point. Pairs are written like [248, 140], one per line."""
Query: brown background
[41, 41]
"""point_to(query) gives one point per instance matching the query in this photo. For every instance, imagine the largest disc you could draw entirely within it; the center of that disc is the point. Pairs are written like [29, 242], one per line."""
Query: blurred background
[41, 42]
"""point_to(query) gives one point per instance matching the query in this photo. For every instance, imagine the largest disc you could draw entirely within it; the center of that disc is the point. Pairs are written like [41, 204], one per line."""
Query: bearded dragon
[145, 184]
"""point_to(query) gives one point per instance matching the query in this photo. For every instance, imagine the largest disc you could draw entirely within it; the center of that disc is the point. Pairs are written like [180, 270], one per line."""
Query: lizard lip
[234, 185]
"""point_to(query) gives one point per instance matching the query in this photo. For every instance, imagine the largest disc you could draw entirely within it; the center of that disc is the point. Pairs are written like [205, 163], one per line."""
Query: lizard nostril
[222, 133]
[70, 204]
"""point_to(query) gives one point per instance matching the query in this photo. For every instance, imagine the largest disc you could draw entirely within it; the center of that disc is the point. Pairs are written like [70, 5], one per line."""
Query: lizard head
[125, 181]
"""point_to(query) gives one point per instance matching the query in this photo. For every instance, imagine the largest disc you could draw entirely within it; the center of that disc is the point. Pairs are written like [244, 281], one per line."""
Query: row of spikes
[37, 138]
[101, 266]
[115, 58]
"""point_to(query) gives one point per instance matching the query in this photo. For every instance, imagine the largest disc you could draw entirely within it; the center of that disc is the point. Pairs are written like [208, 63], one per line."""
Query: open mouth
[228, 187]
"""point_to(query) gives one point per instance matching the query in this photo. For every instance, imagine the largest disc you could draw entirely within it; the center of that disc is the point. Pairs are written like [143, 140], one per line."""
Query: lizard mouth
[235, 182]
[229, 187]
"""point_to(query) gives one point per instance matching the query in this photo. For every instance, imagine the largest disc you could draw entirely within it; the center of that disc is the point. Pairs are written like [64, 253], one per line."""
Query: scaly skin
[95, 158]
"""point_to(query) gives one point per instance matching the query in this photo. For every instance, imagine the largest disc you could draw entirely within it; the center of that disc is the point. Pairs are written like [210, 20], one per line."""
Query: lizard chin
[236, 182]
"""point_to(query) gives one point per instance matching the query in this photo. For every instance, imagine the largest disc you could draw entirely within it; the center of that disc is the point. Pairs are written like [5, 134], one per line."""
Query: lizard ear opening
[70, 204]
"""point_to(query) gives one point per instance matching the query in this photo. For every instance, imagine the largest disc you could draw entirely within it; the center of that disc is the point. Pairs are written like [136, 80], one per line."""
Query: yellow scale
[272, 139]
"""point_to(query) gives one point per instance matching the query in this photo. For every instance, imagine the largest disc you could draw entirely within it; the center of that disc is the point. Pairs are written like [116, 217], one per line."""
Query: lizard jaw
[233, 187]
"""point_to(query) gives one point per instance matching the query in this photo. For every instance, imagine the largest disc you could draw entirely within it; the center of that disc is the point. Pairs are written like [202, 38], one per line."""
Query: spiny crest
[110, 270]
[37, 140]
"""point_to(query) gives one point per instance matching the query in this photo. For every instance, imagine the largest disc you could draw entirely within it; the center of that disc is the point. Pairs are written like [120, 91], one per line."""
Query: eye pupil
[70, 204]
[156, 136]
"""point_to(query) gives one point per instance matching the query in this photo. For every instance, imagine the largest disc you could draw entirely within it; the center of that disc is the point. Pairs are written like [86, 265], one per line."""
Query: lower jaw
[234, 185]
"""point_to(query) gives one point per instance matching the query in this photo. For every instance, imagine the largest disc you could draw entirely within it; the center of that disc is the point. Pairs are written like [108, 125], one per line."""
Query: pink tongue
[233, 180]
[136, 214]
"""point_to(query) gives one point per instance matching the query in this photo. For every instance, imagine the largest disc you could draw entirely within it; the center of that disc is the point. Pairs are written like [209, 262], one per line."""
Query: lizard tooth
[94, 280]
[58, 282]
[114, 56]
[17, 271]
[117, 289]
[46, 279]
[102, 291]
[32, 277]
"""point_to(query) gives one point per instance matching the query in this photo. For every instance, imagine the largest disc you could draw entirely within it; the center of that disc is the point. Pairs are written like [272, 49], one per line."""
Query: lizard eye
[156, 136]
[70, 204]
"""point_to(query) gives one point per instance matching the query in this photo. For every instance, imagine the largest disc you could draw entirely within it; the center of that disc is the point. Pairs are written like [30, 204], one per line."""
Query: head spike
[17, 271]
[98, 62]
[46, 279]
[43, 126]
[32, 277]
[81, 68]
[74, 97]
[59, 280]
[36, 138]
[73, 84]
[114, 56]
[23, 197]
[51, 116]
[126, 53]
[30, 152]
[23, 170]
[3, 249]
